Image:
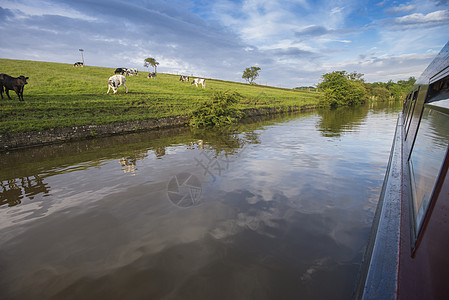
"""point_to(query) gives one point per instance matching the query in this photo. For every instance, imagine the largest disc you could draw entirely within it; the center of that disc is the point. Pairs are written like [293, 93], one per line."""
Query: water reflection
[13, 190]
[129, 163]
[128, 150]
[227, 140]
[336, 121]
[426, 160]
[276, 211]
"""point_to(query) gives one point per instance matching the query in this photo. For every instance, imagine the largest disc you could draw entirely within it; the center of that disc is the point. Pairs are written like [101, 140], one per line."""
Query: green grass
[60, 95]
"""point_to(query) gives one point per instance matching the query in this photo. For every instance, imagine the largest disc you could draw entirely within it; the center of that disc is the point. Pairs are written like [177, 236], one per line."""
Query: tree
[250, 74]
[380, 94]
[354, 76]
[150, 62]
[406, 86]
[397, 90]
[341, 88]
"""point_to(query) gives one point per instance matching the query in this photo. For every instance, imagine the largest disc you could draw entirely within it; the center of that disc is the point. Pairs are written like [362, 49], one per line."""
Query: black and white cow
[132, 72]
[152, 75]
[200, 81]
[184, 78]
[78, 64]
[12, 83]
[115, 81]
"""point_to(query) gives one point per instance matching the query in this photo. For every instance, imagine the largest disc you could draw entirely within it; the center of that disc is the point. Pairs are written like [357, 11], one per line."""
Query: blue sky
[294, 42]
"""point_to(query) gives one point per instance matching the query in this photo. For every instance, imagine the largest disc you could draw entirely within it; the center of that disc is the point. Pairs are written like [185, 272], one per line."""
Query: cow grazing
[115, 81]
[184, 78]
[197, 81]
[78, 64]
[132, 72]
[120, 71]
[152, 75]
[12, 83]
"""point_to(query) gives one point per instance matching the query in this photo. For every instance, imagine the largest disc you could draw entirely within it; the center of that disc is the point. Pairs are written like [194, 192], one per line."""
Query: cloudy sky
[294, 42]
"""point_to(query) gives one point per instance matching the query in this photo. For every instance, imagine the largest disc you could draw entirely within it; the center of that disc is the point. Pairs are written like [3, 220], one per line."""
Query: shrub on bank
[341, 88]
[217, 111]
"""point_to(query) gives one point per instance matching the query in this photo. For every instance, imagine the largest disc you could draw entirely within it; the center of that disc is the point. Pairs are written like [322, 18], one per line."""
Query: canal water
[277, 208]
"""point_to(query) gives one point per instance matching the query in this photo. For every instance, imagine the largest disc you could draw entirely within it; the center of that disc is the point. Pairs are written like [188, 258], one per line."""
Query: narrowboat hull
[407, 256]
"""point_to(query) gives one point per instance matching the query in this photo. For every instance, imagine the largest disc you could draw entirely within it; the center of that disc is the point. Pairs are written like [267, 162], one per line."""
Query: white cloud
[402, 8]
[40, 8]
[336, 10]
[435, 18]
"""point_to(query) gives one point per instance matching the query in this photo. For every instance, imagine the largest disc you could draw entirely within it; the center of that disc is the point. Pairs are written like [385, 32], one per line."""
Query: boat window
[426, 160]
[406, 101]
[405, 107]
[411, 109]
[438, 90]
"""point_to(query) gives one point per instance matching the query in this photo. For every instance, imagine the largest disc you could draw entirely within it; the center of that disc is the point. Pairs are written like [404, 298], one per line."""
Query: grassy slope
[60, 95]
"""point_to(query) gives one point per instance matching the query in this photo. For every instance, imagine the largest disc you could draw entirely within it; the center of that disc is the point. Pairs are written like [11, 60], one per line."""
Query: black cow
[152, 75]
[78, 64]
[120, 71]
[12, 83]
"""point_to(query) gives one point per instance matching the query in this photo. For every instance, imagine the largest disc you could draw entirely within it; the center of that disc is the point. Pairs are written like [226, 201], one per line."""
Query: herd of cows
[17, 84]
[120, 80]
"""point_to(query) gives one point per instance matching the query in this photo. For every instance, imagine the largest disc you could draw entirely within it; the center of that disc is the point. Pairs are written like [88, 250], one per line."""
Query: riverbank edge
[60, 135]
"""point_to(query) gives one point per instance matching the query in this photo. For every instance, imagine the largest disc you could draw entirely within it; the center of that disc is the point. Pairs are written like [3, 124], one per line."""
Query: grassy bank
[60, 95]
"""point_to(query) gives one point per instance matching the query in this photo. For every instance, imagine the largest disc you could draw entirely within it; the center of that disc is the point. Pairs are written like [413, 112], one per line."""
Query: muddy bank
[60, 135]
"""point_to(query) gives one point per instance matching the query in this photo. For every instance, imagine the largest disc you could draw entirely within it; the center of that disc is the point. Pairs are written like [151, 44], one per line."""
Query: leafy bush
[381, 93]
[217, 111]
[397, 90]
[342, 89]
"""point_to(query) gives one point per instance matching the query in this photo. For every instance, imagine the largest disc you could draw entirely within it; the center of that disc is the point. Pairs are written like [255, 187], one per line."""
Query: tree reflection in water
[334, 122]
[31, 166]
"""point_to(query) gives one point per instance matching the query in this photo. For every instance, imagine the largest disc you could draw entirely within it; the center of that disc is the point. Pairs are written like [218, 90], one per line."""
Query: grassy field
[60, 95]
